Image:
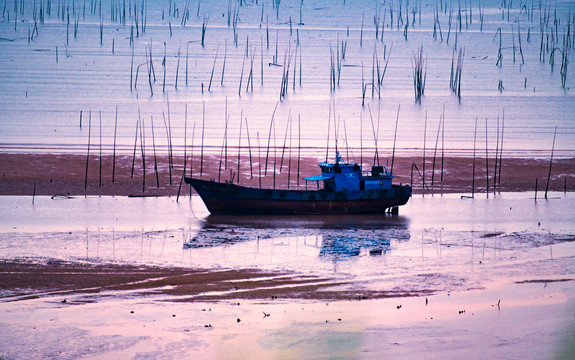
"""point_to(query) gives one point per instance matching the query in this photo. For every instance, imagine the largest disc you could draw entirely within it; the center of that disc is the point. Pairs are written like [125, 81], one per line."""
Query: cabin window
[362, 185]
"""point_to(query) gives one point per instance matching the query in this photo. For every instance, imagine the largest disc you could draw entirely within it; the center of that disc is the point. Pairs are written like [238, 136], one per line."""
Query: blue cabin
[341, 176]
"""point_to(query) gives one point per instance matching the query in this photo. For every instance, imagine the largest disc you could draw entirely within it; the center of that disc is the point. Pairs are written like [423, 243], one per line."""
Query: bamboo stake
[249, 149]
[442, 142]
[299, 146]
[182, 179]
[259, 160]
[474, 147]
[100, 161]
[289, 151]
[203, 130]
[376, 153]
[394, 138]
[142, 147]
[285, 139]
[328, 131]
[135, 144]
[501, 148]
[155, 158]
[435, 152]
[224, 65]
[361, 139]
[550, 163]
[169, 130]
[424, 139]
[240, 144]
[213, 67]
[486, 162]
[269, 139]
[88, 152]
[114, 151]
[496, 158]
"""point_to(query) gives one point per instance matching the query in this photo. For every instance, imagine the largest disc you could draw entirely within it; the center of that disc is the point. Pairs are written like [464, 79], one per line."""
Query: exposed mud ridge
[31, 280]
[64, 175]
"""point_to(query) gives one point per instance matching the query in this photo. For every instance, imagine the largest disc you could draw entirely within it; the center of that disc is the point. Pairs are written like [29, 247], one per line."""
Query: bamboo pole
[155, 158]
[269, 139]
[550, 163]
[100, 161]
[202, 146]
[143, 147]
[114, 151]
[249, 149]
[474, 147]
[88, 152]
[135, 144]
[435, 151]
[501, 148]
[395, 137]
[299, 147]
[240, 144]
[424, 140]
[486, 162]
[285, 140]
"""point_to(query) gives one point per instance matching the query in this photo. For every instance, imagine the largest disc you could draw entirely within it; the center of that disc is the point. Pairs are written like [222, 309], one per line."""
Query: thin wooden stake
[249, 149]
[474, 147]
[100, 161]
[114, 151]
[269, 139]
[486, 162]
[88, 152]
[298, 146]
[395, 137]
[155, 158]
[135, 144]
[202, 146]
[142, 147]
[550, 163]
[501, 149]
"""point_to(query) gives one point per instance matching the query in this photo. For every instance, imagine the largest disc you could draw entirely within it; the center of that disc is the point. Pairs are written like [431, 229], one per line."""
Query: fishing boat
[341, 188]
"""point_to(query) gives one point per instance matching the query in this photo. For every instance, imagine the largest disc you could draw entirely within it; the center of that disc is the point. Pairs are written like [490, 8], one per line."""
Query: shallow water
[42, 96]
[437, 243]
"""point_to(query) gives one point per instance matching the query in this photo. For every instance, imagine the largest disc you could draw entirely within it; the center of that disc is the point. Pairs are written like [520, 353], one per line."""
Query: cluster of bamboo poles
[277, 162]
[395, 15]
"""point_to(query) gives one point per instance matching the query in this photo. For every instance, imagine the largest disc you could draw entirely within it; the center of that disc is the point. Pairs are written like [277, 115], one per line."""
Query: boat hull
[225, 198]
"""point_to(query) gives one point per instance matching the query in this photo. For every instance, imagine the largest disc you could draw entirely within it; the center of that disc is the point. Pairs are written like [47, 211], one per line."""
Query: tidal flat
[470, 102]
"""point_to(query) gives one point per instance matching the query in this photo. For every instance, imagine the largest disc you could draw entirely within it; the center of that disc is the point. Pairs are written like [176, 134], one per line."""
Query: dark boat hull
[225, 198]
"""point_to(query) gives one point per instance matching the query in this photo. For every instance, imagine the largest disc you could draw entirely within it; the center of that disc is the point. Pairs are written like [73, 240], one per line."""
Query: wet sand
[27, 280]
[65, 174]
[98, 311]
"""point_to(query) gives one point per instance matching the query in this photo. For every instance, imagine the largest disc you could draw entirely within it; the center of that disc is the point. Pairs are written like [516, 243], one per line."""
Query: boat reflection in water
[336, 237]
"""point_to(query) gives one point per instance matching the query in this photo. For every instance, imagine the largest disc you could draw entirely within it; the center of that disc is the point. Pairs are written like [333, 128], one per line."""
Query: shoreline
[65, 174]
